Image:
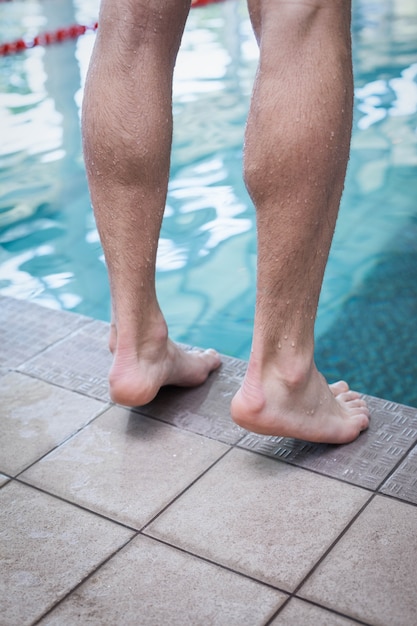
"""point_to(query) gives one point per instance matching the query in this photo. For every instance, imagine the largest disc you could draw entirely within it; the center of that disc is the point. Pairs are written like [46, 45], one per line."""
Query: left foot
[135, 379]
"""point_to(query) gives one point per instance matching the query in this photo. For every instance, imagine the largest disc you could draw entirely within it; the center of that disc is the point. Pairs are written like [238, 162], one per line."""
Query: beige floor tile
[125, 466]
[261, 517]
[300, 613]
[371, 573]
[149, 583]
[35, 417]
[47, 547]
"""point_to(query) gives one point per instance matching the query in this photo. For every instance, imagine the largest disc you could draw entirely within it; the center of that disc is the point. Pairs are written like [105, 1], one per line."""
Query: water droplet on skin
[292, 344]
[279, 345]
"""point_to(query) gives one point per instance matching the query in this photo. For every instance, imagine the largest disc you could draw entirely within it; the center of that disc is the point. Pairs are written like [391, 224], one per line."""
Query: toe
[212, 358]
[358, 404]
[349, 396]
[340, 387]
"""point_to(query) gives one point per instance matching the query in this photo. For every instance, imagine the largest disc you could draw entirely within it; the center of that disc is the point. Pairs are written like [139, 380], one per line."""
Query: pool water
[49, 248]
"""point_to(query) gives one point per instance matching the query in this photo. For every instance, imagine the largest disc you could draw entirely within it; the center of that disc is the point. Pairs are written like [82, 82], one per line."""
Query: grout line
[77, 505]
[187, 488]
[334, 543]
[21, 480]
[320, 606]
[396, 498]
[99, 413]
[308, 469]
[84, 394]
[319, 562]
[84, 580]
[215, 563]
[394, 469]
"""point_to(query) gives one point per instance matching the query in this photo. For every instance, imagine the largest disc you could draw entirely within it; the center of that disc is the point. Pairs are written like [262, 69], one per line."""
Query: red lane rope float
[45, 39]
[203, 3]
[63, 34]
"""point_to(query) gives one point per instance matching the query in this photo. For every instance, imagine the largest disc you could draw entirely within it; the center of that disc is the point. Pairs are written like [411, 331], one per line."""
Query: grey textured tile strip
[80, 362]
[26, 329]
[366, 462]
[403, 482]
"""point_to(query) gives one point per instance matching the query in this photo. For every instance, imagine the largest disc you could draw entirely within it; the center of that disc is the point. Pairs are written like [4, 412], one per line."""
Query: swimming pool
[49, 249]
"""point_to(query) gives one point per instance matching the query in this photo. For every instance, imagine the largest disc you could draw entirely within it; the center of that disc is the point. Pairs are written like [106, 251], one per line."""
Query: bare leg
[297, 147]
[127, 129]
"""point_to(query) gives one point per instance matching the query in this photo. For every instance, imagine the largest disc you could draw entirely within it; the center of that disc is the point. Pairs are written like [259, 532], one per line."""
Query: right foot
[135, 380]
[310, 410]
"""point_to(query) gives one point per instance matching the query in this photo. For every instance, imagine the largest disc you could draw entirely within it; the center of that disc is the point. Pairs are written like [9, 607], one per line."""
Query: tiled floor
[171, 515]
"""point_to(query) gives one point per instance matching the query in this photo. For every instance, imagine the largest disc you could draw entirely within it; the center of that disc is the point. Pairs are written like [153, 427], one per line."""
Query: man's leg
[296, 152]
[127, 129]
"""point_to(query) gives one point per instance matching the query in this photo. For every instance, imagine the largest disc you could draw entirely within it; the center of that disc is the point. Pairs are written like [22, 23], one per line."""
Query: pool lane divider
[63, 34]
[45, 39]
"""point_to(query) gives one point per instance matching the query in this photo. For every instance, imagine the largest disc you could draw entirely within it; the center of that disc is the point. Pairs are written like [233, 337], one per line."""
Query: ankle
[293, 373]
[286, 362]
[134, 377]
[137, 341]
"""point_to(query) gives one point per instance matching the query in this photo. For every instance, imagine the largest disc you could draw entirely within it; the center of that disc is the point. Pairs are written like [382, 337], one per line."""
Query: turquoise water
[49, 248]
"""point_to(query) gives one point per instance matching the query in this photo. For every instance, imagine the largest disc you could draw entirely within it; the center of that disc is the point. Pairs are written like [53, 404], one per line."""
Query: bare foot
[135, 381]
[309, 409]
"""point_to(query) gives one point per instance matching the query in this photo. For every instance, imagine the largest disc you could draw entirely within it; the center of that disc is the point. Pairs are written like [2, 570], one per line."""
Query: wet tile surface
[243, 512]
[365, 462]
[35, 417]
[403, 482]
[231, 521]
[151, 583]
[125, 466]
[36, 528]
[204, 409]
[371, 573]
[26, 329]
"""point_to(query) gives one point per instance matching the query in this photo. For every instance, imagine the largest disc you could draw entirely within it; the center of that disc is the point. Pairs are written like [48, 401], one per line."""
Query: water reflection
[43, 187]
[380, 98]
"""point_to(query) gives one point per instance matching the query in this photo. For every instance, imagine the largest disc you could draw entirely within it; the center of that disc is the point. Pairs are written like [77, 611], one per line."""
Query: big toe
[212, 359]
[340, 387]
